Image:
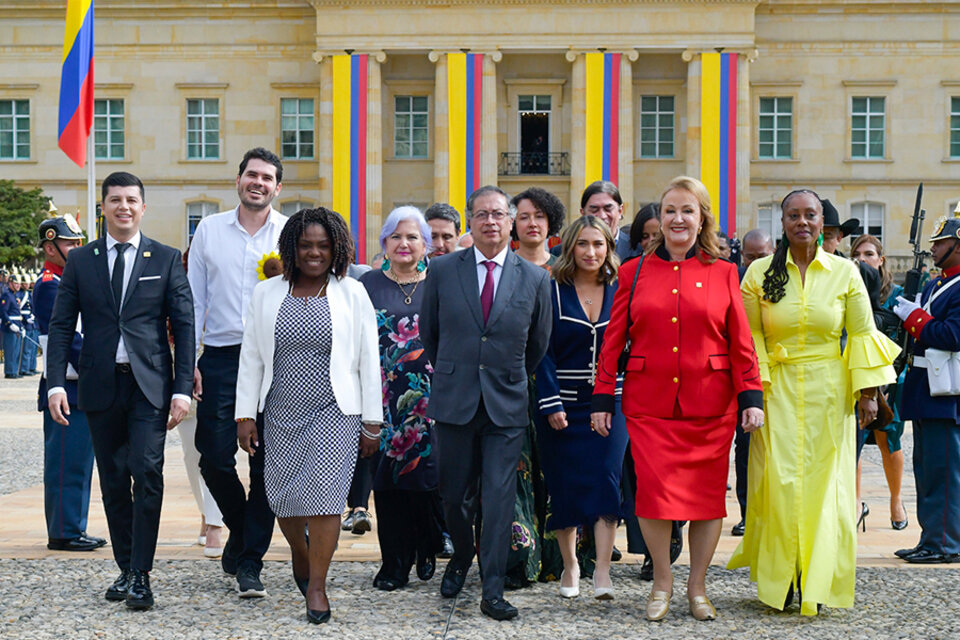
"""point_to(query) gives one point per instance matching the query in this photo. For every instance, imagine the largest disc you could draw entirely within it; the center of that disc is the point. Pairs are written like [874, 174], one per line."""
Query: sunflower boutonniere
[269, 265]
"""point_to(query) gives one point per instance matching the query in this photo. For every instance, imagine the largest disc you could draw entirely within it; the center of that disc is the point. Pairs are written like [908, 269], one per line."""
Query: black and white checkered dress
[310, 446]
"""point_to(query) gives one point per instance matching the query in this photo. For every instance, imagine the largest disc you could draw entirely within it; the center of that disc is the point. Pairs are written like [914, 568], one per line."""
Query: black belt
[231, 349]
[123, 367]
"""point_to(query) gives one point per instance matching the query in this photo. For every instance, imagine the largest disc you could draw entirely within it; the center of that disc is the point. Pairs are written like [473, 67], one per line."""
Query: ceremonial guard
[67, 450]
[12, 331]
[931, 399]
[28, 359]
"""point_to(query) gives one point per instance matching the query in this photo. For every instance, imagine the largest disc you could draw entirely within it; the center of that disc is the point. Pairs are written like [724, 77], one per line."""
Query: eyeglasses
[496, 216]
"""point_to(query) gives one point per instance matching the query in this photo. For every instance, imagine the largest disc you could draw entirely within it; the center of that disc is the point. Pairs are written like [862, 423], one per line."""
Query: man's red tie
[486, 295]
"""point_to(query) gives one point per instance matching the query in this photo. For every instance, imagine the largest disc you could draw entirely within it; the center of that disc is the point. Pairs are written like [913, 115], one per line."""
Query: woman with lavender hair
[405, 483]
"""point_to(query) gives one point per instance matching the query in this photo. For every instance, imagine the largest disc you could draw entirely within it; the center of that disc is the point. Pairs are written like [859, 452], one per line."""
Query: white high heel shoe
[602, 593]
[570, 592]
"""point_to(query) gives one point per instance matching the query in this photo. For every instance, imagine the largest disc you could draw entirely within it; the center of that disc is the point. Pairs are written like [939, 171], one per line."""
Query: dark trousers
[67, 470]
[128, 440]
[408, 527]
[478, 467]
[741, 454]
[936, 470]
[29, 363]
[248, 517]
[362, 483]
[11, 354]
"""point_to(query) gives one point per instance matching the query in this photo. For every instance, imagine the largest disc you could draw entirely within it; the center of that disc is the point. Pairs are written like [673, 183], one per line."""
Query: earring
[422, 265]
[386, 264]
[820, 240]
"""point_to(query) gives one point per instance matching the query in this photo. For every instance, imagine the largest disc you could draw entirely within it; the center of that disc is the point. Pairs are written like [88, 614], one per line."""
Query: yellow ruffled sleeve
[869, 354]
[752, 290]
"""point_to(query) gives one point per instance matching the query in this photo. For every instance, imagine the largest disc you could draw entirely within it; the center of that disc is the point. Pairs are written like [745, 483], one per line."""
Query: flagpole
[91, 191]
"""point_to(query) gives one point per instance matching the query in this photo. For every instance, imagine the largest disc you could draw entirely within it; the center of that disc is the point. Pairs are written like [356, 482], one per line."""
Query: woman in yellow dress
[801, 506]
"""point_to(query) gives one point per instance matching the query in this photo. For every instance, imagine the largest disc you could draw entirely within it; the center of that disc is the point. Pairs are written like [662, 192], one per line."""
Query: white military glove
[904, 308]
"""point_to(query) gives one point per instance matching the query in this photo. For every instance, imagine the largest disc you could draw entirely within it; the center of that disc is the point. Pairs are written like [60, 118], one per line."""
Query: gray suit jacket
[471, 360]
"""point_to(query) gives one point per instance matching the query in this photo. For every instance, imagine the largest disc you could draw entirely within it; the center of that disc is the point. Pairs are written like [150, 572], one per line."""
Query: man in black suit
[485, 324]
[125, 287]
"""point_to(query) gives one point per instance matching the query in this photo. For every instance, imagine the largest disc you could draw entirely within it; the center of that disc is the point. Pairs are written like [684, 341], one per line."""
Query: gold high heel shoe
[658, 605]
[702, 609]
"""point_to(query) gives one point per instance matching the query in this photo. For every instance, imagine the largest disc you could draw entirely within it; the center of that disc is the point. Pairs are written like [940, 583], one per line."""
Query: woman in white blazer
[310, 362]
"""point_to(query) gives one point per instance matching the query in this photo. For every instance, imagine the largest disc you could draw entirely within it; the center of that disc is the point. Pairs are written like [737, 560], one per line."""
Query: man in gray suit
[485, 324]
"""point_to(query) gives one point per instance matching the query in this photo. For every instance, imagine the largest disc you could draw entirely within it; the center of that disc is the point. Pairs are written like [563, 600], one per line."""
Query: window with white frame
[867, 127]
[14, 129]
[291, 207]
[955, 127]
[768, 219]
[775, 128]
[108, 131]
[197, 211]
[870, 215]
[657, 126]
[296, 128]
[203, 129]
[410, 126]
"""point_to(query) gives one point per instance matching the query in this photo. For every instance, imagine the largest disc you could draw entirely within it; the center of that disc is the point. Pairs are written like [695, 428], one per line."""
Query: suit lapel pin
[96, 252]
[146, 254]
[699, 285]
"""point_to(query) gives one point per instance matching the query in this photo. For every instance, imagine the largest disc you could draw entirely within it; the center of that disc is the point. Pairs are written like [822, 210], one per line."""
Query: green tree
[21, 212]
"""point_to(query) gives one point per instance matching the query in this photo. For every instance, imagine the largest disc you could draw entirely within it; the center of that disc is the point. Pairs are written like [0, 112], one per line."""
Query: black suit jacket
[158, 290]
[471, 359]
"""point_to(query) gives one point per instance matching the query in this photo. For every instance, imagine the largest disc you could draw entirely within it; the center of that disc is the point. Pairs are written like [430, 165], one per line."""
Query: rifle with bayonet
[911, 283]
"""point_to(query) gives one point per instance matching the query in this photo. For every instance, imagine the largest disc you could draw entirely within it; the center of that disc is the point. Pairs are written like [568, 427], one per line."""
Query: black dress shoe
[616, 555]
[73, 544]
[426, 567]
[117, 592]
[646, 569]
[318, 617]
[903, 553]
[453, 578]
[498, 609]
[925, 556]
[361, 523]
[739, 528]
[447, 547]
[386, 583]
[100, 541]
[139, 597]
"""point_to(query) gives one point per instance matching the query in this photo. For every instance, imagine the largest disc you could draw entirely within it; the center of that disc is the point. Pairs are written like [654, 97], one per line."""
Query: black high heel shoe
[900, 525]
[864, 512]
[318, 617]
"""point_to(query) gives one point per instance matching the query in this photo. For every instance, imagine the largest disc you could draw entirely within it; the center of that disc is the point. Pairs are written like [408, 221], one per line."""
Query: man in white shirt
[222, 270]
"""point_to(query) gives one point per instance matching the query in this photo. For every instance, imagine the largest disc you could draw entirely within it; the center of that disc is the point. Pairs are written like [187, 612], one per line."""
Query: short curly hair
[337, 231]
[544, 201]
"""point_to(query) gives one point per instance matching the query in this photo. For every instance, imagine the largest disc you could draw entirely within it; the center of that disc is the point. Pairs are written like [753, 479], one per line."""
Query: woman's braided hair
[340, 241]
[775, 278]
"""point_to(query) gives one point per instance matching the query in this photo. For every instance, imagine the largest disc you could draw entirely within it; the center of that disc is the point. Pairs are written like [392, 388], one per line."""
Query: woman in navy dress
[582, 467]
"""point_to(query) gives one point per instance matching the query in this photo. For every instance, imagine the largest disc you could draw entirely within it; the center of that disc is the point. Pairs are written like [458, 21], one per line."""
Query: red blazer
[690, 341]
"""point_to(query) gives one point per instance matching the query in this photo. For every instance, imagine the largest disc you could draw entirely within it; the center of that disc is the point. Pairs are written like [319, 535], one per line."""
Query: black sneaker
[248, 583]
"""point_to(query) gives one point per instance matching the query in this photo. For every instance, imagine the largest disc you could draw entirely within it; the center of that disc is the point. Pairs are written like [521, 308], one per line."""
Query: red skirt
[682, 465]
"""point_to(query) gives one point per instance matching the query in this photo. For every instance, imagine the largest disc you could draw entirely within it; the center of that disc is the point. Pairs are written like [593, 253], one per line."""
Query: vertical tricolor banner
[464, 93]
[718, 136]
[350, 146]
[76, 81]
[602, 125]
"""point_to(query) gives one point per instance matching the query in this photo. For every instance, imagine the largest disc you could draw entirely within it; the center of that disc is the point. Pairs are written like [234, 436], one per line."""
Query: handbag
[625, 354]
[884, 412]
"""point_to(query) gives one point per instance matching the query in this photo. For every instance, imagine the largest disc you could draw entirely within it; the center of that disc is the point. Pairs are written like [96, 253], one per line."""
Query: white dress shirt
[129, 258]
[222, 271]
[497, 270]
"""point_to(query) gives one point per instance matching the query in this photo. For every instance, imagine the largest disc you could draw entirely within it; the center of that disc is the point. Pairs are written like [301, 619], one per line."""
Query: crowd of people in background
[500, 393]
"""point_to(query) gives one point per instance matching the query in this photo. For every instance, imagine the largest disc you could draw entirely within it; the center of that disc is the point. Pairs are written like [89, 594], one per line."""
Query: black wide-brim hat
[831, 218]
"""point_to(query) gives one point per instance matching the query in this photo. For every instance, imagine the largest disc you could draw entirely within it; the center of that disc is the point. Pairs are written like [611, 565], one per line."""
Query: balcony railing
[556, 163]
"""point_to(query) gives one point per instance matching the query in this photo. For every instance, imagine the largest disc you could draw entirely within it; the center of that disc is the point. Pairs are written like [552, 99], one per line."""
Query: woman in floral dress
[405, 483]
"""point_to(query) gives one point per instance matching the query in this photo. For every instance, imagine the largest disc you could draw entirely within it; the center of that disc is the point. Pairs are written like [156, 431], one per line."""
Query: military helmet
[64, 226]
[947, 227]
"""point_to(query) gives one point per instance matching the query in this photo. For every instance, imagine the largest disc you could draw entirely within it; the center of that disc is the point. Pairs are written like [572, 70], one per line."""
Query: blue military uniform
[11, 324]
[936, 419]
[28, 364]
[67, 450]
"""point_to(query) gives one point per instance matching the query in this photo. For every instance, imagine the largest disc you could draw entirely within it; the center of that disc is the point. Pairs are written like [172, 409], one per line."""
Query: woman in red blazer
[692, 369]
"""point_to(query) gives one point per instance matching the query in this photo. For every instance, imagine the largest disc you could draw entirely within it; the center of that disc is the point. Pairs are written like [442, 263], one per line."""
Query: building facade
[376, 103]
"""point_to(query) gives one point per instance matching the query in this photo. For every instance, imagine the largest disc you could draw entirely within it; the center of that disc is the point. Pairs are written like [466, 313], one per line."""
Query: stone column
[625, 142]
[745, 216]
[489, 151]
[692, 58]
[578, 130]
[325, 127]
[441, 143]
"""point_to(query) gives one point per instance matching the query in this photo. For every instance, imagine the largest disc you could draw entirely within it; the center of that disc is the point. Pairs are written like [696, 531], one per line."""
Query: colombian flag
[76, 81]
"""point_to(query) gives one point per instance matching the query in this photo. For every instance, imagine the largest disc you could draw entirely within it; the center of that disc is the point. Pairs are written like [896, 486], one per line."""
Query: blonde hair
[565, 267]
[707, 236]
[886, 278]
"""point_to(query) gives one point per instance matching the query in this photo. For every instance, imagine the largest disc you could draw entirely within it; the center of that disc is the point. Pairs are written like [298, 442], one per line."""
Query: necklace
[407, 297]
